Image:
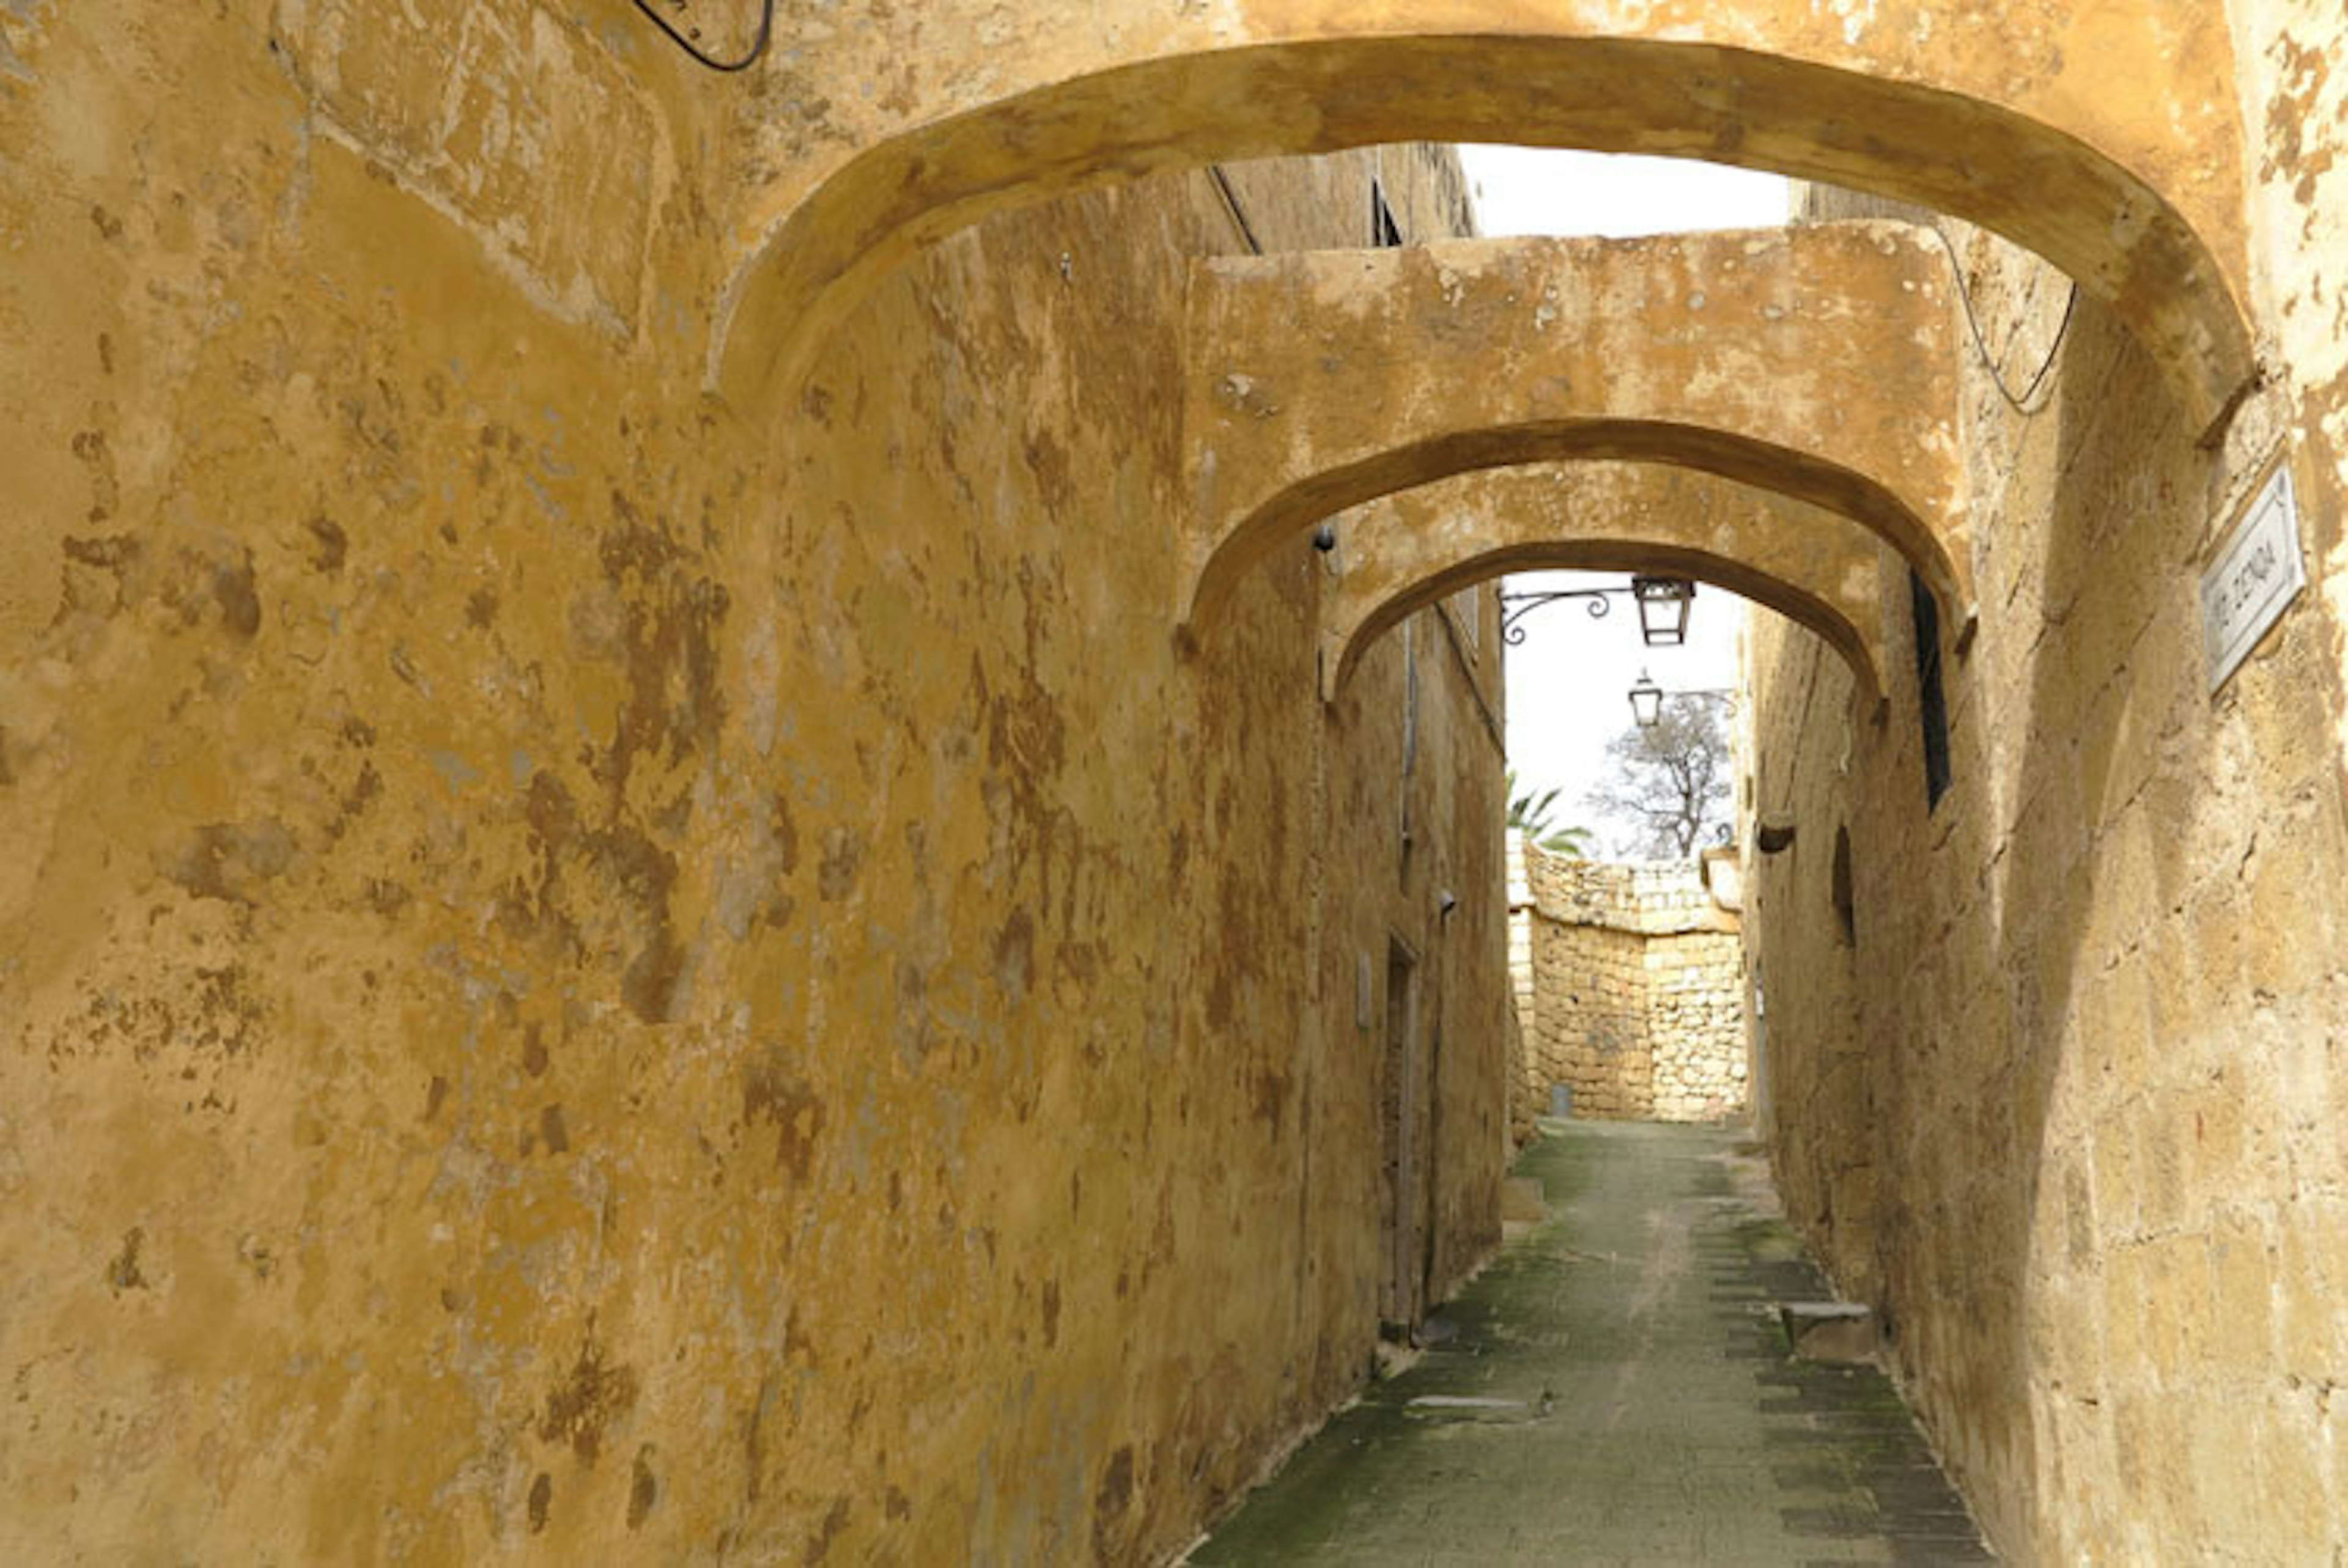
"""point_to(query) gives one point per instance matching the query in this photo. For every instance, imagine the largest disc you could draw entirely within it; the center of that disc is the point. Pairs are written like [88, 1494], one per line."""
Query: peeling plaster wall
[2291, 57]
[585, 972]
[2067, 1102]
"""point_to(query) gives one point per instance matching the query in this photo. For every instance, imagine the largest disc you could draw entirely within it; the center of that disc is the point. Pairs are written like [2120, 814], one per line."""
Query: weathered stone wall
[1528, 1073]
[2053, 1075]
[1593, 1033]
[1695, 1025]
[591, 973]
[1635, 979]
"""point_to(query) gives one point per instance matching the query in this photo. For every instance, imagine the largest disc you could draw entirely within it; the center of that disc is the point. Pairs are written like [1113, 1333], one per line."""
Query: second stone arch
[1817, 365]
[1405, 551]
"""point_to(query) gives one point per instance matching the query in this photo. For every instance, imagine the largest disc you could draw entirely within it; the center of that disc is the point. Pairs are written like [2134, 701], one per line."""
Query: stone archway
[1818, 363]
[2105, 141]
[1408, 551]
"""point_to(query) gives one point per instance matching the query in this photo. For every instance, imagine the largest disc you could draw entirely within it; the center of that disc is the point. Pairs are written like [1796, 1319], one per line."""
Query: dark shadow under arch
[1787, 599]
[1803, 475]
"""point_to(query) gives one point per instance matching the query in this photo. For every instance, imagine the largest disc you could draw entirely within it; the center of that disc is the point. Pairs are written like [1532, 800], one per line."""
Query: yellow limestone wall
[1629, 988]
[590, 976]
[2069, 1101]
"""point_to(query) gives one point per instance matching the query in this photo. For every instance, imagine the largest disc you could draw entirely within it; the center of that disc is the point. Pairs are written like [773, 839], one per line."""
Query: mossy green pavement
[1614, 1388]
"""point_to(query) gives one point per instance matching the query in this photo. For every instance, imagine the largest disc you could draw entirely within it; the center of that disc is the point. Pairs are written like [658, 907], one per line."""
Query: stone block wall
[1629, 987]
[1592, 1035]
[2055, 1063]
[1528, 1077]
[1695, 1025]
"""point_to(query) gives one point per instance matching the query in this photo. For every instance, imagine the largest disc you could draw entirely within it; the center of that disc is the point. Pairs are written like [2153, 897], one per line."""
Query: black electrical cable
[758, 44]
[1981, 343]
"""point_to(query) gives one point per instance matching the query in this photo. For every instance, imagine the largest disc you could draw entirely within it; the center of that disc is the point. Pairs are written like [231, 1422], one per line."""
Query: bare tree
[1673, 786]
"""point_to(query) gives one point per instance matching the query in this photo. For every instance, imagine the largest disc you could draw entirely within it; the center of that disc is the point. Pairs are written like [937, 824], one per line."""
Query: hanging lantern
[1663, 604]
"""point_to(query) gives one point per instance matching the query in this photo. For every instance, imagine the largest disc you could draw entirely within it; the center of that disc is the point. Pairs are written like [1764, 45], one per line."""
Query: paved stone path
[1614, 1391]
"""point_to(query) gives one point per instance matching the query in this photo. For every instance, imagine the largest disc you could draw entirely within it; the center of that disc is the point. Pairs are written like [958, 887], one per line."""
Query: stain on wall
[585, 969]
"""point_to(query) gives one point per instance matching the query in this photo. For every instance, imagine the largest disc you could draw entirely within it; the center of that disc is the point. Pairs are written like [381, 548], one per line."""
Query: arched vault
[1407, 550]
[1816, 362]
[2100, 133]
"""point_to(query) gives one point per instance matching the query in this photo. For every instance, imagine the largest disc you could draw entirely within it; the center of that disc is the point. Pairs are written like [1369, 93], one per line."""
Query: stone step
[1844, 1332]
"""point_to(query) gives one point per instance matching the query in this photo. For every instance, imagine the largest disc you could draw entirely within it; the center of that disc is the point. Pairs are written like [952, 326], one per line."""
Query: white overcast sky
[1567, 684]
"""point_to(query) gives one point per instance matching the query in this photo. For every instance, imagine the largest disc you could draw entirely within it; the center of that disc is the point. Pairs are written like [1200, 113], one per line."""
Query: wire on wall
[2023, 404]
[685, 41]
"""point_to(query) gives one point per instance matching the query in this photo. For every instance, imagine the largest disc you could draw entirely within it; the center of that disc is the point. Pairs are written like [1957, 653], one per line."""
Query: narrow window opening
[1846, 915]
[1932, 702]
[1384, 232]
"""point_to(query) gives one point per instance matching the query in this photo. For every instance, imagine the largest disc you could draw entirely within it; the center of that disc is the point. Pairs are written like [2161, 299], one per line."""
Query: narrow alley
[1616, 1388]
[757, 767]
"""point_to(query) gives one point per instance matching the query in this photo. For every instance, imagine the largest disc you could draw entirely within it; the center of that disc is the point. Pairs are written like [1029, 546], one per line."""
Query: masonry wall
[1635, 980]
[2061, 1094]
[1529, 1073]
[1696, 1025]
[594, 975]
